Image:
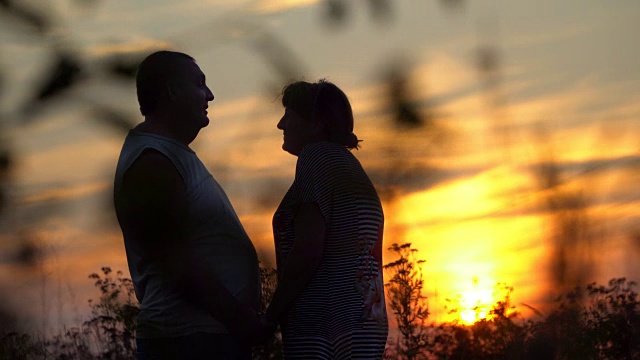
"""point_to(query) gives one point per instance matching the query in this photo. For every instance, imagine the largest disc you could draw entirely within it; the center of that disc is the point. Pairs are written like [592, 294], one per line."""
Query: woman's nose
[281, 123]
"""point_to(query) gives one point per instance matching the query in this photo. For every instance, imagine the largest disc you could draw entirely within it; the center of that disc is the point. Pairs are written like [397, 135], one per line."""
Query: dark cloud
[418, 177]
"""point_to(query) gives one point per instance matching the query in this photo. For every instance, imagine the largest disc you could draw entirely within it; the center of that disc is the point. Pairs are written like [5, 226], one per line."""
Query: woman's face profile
[297, 132]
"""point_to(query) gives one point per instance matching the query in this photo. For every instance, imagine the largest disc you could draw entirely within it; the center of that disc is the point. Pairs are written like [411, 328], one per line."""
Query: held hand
[249, 325]
[265, 331]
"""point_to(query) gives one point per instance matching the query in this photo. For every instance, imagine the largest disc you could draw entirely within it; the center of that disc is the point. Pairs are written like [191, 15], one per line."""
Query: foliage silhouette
[63, 75]
[114, 315]
[111, 330]
[404, 291]
[598, 322]
[594, 322]
[109, 334]
[272, 349]
[26, 15]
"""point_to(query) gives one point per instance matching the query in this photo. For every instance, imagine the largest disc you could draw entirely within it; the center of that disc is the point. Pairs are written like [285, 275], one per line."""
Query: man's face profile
[190, 95]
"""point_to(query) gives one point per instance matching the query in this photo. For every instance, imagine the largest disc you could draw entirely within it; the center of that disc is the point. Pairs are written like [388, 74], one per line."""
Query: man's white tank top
[214, 231]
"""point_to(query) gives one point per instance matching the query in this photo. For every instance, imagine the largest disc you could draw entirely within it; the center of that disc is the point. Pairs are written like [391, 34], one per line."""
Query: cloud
[418, 177]
[274, 6]
[568, 33]
[133, 45]
[64, 193]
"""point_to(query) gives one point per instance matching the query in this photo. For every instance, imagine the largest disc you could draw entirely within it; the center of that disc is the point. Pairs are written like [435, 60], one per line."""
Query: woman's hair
[152, 75]
[325, 103]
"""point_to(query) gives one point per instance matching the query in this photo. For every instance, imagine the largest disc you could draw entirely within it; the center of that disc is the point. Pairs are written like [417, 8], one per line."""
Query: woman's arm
[303, 260]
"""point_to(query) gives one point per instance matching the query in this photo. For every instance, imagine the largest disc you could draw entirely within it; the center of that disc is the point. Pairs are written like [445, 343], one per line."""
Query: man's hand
[266, 330]
[252, 327]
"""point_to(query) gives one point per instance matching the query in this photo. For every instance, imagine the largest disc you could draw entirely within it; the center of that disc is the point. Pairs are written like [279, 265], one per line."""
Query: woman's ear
[319, 128]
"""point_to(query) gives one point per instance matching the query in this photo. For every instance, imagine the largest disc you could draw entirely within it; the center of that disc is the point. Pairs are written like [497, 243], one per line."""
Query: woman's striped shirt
[341, 313]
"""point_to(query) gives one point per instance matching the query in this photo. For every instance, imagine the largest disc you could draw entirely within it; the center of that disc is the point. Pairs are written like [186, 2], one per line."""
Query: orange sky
[470, 200]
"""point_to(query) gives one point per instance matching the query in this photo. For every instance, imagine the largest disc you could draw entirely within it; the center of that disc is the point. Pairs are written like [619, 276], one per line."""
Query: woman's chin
[289, 149]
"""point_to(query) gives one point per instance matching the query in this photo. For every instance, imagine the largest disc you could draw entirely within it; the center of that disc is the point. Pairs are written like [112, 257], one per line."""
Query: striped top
[341, 313]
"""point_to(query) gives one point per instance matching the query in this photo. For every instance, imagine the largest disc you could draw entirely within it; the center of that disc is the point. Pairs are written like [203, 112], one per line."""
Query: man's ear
[171, 91]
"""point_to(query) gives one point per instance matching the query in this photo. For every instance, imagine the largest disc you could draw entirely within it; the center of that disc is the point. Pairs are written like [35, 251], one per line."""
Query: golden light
[468, 251]
[475, 304]
[270, 6]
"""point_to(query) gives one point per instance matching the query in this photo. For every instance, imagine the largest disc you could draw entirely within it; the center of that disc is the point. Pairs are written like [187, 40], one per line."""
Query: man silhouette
[194, 269]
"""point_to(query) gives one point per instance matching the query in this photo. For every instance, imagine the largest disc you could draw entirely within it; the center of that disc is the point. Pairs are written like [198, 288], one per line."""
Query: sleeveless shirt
[213, 230]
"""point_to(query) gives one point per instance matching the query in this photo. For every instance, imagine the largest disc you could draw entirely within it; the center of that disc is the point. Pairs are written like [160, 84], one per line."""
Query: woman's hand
[249, 325]
[266, 330]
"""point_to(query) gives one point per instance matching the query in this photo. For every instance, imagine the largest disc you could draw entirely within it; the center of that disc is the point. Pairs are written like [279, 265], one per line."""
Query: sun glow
[475, 304]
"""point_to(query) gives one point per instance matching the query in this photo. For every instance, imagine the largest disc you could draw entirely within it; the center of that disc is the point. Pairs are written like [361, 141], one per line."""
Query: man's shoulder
[151, 160]
[152, 169]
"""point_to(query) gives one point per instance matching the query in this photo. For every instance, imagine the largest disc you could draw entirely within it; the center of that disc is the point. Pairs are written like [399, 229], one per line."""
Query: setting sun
[475, 305]
[473, 302]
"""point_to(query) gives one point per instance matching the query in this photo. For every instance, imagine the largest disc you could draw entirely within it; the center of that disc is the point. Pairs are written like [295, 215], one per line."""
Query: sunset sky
[469, 194]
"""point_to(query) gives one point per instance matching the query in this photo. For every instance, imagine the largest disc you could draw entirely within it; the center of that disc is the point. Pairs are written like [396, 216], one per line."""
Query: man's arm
[155, 202]
[303, 259]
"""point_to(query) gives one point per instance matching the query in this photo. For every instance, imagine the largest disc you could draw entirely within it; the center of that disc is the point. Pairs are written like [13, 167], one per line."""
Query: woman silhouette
[328, 235]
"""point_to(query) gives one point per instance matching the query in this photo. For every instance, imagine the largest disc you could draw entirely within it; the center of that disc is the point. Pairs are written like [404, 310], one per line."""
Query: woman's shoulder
[321, 159]
[320, 146]
[324, 151]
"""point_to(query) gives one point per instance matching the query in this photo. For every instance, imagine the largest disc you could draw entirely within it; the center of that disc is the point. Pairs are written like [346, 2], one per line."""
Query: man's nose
[281, 124]
[210, 96]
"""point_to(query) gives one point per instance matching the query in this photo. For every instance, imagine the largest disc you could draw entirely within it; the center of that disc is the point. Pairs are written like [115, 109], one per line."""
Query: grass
[590, 322]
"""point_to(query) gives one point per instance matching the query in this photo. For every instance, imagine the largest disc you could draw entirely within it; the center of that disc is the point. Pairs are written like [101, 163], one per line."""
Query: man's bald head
[154, 73]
